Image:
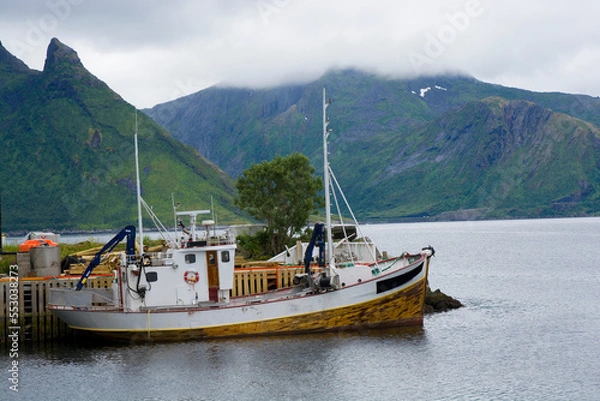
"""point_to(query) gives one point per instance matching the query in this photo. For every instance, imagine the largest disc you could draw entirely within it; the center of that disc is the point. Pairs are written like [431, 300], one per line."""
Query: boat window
[190, 258]
[211, 259]
[151, 277]
[225, 256]
[395, 282]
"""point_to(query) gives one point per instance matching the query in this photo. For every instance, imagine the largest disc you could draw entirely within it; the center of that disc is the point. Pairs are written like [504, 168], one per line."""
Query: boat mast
[331, 261]
[139, 192]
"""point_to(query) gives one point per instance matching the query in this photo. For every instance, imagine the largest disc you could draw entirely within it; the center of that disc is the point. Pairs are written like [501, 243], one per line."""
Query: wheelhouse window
[225, 256]
[190, 258]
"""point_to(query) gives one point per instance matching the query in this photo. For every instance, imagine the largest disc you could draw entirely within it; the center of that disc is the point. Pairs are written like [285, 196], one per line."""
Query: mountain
[68, 153]
[444, 147]
[440, 147]
[492, 158]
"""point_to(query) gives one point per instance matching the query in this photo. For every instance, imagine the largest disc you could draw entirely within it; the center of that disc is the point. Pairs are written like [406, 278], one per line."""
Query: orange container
[31, 243]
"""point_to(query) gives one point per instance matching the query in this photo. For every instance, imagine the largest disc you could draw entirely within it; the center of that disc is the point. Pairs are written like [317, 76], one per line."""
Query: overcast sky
[154, 51]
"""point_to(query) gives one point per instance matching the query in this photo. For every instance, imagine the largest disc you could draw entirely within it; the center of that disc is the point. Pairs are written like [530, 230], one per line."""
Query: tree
[283, 192]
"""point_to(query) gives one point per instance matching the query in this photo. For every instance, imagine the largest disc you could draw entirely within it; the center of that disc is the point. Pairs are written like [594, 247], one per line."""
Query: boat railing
[87, 297]
[225, 239]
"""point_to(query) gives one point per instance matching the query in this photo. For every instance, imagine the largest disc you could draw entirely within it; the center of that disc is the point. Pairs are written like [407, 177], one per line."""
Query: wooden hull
[393, 299]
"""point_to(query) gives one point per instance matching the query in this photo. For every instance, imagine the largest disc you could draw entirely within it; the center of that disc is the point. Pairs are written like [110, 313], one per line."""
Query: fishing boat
[184, 291]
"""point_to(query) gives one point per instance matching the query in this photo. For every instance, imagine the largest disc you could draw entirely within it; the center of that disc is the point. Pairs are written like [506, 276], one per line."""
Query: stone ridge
[58, 53]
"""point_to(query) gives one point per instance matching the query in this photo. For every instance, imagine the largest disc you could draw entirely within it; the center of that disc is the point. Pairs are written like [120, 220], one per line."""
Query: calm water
[530, 331]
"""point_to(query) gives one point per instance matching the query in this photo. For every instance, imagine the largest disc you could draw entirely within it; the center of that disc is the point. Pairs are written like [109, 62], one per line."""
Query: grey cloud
[154, 51]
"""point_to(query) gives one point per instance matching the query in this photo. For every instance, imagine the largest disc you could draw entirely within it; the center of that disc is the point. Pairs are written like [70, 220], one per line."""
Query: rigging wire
[162, 230]
[370, 249]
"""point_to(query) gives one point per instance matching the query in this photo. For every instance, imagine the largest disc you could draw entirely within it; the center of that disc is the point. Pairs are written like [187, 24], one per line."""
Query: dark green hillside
[435, 147]
[236, 127]
[450, 92]
[68, 153]
[493, 159]
[445, 146]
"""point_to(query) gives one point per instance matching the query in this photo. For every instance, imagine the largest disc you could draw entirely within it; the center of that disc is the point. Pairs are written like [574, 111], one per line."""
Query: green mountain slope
[236, 127]
[443, 147]
[68, 153]
[491, 158]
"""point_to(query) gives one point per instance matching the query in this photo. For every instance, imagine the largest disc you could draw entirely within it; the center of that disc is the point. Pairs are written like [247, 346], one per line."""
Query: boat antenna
[212, 208]
[214, 216]
[175, 207]
[331, 260]
[139, 191]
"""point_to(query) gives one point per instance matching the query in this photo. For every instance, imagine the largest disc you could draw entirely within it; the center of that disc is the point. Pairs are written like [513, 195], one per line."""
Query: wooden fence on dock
[24, 311]
[28, 315]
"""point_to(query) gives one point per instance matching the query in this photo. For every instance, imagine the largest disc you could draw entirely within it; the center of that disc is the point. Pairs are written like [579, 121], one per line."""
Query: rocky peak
[59, 54]
[64, 70]
[525, 116]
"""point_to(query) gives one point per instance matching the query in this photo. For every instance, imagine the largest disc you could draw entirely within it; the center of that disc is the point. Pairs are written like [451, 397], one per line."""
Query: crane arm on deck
[128, 232]
[318, 240]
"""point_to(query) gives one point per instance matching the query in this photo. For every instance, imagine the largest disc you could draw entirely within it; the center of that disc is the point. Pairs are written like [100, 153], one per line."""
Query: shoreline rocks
[436, 301]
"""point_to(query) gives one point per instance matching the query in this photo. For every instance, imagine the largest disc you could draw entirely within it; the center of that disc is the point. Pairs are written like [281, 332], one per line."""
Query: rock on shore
[437, 301]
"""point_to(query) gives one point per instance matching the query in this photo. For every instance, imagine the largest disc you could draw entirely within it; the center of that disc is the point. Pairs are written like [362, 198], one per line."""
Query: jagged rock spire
[59, 53]
[63, 64]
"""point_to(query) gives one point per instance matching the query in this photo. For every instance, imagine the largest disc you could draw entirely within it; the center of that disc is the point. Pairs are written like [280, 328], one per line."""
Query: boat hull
[362, 306]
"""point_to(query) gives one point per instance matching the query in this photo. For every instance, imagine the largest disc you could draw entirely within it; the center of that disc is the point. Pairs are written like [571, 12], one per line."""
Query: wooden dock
[24, 311]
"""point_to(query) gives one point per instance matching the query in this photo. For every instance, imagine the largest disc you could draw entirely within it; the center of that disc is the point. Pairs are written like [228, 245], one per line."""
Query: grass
[7, 260]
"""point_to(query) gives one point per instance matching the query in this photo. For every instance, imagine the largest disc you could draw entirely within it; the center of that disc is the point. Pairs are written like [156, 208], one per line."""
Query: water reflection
[277, 367]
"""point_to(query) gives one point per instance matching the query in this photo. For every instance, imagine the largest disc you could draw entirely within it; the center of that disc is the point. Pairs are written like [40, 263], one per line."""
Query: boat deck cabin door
[213, 275]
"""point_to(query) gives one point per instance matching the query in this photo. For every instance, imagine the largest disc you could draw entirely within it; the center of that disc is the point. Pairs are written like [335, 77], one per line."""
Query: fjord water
[530, 330]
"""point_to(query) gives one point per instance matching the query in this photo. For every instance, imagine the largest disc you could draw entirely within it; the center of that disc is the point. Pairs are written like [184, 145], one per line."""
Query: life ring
[191, 277]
